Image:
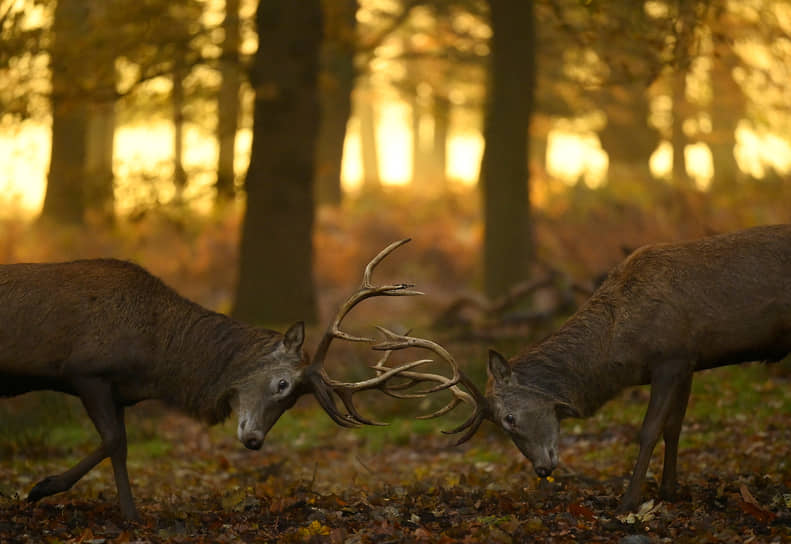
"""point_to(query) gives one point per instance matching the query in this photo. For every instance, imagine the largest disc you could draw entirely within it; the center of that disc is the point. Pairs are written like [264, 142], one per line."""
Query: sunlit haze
[145, 153]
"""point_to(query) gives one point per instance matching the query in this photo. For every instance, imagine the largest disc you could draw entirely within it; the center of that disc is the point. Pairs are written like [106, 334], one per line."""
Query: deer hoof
[625, 507]
[46, 487]
[668, 494]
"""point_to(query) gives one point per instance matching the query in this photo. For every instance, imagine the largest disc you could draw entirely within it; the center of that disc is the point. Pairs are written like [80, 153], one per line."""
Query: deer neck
[574, 364]
[209, 353]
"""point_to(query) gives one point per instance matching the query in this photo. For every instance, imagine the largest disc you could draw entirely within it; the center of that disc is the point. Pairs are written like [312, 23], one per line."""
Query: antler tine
[400, 341]
[322, 384]
[366, 290]
[475, 398]
[346, 390]
[416, 378]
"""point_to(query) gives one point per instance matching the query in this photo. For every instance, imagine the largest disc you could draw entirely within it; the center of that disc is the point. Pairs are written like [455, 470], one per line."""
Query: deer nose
[543, 472]
[254, 441]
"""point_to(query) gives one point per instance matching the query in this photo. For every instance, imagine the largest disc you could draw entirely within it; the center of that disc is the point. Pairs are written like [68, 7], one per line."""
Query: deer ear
[499, 369]
[564, 410]
[294, 337]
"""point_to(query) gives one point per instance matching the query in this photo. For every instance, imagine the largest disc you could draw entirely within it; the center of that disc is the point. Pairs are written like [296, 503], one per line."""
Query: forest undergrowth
[314, 482]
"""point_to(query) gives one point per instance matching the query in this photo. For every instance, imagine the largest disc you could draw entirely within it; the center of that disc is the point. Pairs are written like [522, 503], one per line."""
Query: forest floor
[315, 482]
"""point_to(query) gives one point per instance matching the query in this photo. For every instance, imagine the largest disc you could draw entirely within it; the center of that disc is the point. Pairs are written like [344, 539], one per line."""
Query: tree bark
[439, 155]
[504, 180]
[99, 179]
[369, 153]
[228, 103]
[177, 101]
[275, 283]
[83, 95]
[679, 140]
[64, 200]
[337, 82]
[726, 111]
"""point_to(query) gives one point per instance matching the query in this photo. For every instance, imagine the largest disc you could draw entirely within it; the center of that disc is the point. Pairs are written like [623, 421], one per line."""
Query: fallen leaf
[747, 496]
[646, 512]
[314, 529]
[751, 506]
[578, 510]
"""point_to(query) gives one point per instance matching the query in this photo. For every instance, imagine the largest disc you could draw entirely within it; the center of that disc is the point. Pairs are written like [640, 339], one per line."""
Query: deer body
[667, 311]
[112, 334]
[113, 321]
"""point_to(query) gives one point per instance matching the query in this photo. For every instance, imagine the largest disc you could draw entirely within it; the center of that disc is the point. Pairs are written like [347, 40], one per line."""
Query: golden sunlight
[573, 156]
[394, 143]
[24, 154]
[143, 158]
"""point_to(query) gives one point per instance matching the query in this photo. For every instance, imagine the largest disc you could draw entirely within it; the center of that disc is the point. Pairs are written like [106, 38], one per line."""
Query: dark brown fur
[113, 334]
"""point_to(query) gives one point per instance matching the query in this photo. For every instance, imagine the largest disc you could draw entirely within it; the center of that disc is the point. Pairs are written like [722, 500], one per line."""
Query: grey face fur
[526, 414]
[263, 396]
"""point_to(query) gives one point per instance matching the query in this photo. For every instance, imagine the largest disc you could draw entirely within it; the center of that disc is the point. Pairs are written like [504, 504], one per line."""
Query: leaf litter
[352, 486]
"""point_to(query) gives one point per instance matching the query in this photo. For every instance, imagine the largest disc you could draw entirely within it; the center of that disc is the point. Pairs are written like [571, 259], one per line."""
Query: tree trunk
[727, 109]
[418, 146]
[177, 99]
[64, 200]
[369, 152]
[504, 174]
[679, 140]
[275, 284]
[439, 154]
[228, 103]
[685, 29]
[98, 190]
[338, 74]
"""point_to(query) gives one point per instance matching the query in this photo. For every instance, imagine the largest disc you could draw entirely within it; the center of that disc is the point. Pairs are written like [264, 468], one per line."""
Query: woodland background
[256, 154]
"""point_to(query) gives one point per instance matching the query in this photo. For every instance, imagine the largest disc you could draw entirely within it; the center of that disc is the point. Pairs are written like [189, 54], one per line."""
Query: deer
[112, 334]
[667, 311]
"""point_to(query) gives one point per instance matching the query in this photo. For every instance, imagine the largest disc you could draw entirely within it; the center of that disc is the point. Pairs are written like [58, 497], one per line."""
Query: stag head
[530, 416]
[291, 373]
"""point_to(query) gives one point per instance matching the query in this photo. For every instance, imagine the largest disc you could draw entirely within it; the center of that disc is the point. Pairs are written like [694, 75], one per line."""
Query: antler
[475, 398]
[323, 385]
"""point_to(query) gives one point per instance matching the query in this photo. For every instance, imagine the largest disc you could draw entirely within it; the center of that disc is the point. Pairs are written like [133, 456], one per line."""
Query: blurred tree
[336, 82]
[684, 32]
[730, 104]
[508, 244]
[443, 49]
[178, 105]
[439, 141]
[152, 39]
[72, 68]
[365, 107]
[22, 35]
[99, 195]
[276, 258]
[631, 44]
[228, 102]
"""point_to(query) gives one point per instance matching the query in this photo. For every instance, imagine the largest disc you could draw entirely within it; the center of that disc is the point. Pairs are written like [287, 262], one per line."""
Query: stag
[112, 334]
[667, 311]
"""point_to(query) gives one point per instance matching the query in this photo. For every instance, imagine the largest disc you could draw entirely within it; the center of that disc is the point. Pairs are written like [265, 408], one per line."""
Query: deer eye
[509, 419]
[282, 385]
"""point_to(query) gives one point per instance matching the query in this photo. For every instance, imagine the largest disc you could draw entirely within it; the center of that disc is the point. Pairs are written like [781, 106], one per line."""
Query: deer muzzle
[545, 462]
[253, 440]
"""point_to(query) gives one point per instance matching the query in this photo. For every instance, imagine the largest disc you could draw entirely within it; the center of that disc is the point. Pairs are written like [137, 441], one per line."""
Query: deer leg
[664, 384]
[671, 433]
[107, 417]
